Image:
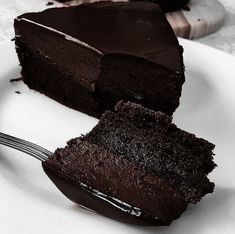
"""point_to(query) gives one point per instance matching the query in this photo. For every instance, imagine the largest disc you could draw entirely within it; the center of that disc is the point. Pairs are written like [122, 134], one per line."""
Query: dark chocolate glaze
[125, 28]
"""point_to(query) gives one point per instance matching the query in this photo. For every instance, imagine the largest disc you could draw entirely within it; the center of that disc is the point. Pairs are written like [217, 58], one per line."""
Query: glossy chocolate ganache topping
[124, 28]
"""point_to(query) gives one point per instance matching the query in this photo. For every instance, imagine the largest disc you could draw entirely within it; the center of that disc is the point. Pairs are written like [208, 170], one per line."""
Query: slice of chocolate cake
[135, 166]
[91, 56]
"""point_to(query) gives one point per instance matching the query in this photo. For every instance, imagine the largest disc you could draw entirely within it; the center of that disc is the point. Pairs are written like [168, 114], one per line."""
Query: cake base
[88, 200]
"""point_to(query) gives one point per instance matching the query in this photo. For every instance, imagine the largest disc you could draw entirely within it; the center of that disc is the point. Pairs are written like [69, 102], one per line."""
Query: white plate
[31, 204]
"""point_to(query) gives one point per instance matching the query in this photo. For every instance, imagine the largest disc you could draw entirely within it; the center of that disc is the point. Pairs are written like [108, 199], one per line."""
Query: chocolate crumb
[186, 8]
[50, 3]
[18, 92]
[13, 39]
[16, 79]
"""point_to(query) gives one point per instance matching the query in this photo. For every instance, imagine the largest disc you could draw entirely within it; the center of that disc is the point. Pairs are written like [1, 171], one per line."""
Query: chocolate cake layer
[101, 203]
[136, 193]
[104, 58]
[135, 166]
[150, 140]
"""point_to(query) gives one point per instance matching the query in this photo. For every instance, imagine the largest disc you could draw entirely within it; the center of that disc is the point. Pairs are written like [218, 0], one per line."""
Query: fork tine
[25, 146]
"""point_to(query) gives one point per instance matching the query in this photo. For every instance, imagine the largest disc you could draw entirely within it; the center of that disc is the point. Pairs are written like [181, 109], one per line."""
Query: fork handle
[27, 147]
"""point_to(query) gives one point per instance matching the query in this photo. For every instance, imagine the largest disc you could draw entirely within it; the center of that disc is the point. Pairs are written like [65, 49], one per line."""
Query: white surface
[224, 39]
[31, 204]
[203, 18]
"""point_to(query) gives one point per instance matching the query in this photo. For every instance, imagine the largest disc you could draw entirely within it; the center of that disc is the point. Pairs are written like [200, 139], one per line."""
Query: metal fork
[25, 146]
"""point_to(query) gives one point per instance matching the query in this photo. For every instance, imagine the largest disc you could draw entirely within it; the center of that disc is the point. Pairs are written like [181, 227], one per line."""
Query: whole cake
[135, 166]
[166, 5]
[91, 56]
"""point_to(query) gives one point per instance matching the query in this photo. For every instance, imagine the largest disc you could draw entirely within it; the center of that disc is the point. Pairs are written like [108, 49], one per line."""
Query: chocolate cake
[91, 56]
[135, 166]
[166, 5]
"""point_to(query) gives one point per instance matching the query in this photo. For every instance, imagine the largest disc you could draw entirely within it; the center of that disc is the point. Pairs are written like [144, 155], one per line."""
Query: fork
[27, 147]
